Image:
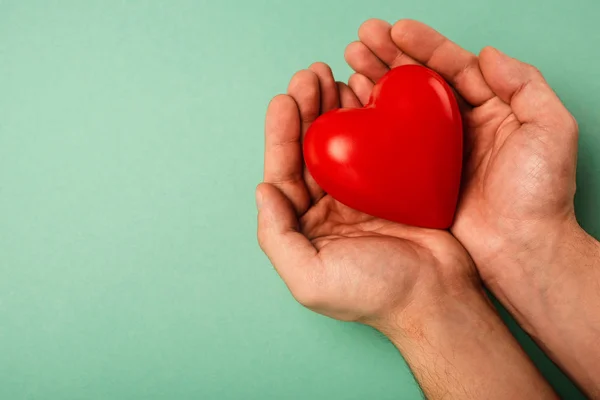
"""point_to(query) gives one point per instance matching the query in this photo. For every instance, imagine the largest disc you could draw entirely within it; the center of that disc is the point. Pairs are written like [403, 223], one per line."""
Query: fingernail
[259, 199]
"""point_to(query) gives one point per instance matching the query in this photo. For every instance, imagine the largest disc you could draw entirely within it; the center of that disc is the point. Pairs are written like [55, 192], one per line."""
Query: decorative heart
[400, 156]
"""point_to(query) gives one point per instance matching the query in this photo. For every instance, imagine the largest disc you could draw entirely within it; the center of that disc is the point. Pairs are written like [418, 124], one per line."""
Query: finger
[362, 60]
[376, 34]
[523, 87]
[283, 152]
[291, 253]
[347, 97]
[329, 92]
[304, 88]
[361, 86]
[457, 65]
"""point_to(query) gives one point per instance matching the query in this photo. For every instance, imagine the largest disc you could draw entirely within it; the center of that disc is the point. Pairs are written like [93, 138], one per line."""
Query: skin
[417, 286]
[516, 215]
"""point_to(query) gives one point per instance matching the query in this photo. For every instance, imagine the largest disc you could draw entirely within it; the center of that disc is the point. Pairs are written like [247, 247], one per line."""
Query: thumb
[291, 253]
[524, 88]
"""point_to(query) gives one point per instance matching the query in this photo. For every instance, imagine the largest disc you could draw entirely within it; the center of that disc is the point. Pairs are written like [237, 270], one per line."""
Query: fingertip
[372, 25]
[280, 119]
[320, 67]
[362, 59]
[502, 76]
[358, 78]
[354, 51]
[347, 97]
[491, 54]
[414, 37]
[279, 102]
[354, 79]
[305, 89]
[488, 51]
[361, 86]
[304, 80]
[328, 89]
[514, 68]
[401, 27]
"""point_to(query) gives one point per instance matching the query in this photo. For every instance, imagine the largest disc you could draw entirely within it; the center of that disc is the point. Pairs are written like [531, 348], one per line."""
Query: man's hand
[417, 286]
[335, 260]
[521, 142]
[515, 216]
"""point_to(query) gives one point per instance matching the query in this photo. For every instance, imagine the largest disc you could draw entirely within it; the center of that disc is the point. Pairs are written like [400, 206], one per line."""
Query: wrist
[528, 267]
[522, 251]
[440, 293]
[552, 291]
[553, 249]
[424, 321]
[458, 347]
[535, 252]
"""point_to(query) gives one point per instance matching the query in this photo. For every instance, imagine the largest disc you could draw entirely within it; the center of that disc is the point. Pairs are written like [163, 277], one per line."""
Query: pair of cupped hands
[514, 211]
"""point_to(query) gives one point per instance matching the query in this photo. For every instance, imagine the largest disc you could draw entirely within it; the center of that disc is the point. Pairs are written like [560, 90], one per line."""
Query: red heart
[399, 157]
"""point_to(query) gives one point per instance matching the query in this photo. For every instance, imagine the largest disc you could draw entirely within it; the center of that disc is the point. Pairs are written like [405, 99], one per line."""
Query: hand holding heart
[515, 214]
[520, 141]
[336, 260]
[348, 262]
[399, 157]
[346, 222]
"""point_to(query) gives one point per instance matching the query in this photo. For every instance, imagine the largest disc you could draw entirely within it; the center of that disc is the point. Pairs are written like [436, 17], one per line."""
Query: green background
[130, 147]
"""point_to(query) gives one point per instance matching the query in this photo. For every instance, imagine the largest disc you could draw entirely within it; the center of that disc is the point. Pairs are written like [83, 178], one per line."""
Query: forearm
[462, 350]
[554, 293]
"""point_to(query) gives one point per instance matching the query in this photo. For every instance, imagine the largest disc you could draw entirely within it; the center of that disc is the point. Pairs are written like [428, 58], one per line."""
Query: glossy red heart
[400, 156]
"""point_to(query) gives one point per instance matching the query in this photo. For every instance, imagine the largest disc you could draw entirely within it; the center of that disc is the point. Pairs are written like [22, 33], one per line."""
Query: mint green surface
[130, 146]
